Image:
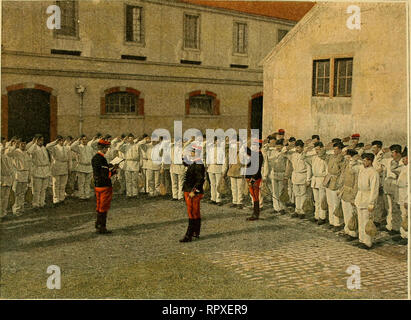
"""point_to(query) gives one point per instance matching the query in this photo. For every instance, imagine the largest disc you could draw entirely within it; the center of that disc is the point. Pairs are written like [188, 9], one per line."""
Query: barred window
[240, 37]
[121, 103]
[68, 10]
[281, 34]
[343, 77]
[134, 24]
[201, 104]
[321, 77]
[191, 31]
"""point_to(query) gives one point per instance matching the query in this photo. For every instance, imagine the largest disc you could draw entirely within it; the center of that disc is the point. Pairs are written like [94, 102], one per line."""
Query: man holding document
[102, 173]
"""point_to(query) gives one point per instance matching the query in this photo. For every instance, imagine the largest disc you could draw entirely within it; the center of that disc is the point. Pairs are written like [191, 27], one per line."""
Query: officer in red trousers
[193, 192]
[102, 173]
[253, 176]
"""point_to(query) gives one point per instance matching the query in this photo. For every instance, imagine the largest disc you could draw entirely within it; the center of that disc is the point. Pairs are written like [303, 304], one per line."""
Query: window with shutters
[69, 19]
[321, 77]
[191, 31]
[240, 38]
[134, 24]
[343, 77]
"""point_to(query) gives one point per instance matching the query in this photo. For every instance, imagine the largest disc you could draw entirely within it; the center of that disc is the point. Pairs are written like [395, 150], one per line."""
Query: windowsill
[120, 116]
[331, 97]
[243, 55]
[63, 37]
[192, 50]
[202, 115]
[134, 44]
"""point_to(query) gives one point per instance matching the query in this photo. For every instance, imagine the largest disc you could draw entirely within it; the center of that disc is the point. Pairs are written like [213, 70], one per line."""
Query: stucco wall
[377, 108]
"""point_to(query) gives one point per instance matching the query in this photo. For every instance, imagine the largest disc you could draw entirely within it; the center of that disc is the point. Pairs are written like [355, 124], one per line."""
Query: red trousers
[103, 198]
[255, 190]
[193, 205]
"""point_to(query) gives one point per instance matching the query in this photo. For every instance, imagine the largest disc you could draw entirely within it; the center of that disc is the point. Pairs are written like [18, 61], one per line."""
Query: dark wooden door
[257, 115]
[29, 113]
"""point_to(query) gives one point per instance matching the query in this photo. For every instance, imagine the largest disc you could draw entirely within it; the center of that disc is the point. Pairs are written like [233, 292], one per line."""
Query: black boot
[103, 229]
[256, 212]
[189, 234]
[98, 220]
[197, 228]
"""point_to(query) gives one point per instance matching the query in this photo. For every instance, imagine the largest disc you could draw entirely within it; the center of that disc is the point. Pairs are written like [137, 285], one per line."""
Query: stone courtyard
[276, 257]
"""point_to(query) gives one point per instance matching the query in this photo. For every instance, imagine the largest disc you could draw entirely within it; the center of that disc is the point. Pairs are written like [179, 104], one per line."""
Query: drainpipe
[80, 90]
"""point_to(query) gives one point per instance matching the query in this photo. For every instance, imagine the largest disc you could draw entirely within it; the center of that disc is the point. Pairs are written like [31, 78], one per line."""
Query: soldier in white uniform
[300, 178]
[368, 184]
[348, 186]
[319, 172]
[392, 167]
[290, 148]
[41, 171]
[85, 153]
[277, 171]
[232, 169]
[7, 176]
[215, 170]
[60, 168]
[335, 165]
[152, 167]
[131, 150]
[22, 167]
[402, 184]
[380, 215]
[177, 170]
[166, 163]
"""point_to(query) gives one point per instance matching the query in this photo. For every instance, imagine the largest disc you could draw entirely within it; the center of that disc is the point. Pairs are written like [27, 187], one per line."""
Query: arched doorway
[28, 109]
[255, 113]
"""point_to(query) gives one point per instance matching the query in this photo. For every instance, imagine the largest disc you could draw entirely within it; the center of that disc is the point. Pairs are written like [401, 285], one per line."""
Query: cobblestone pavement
[275, 252]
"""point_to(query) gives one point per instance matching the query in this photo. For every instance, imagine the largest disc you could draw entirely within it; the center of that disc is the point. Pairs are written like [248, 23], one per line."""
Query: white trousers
[404, 216]
[237, 189]
[19, 189]
[214, 180]
[83, 182]
[276, 188]
[5, 194]
[177, 181]
[333, 201]
[348, 212]
[153, 182]
[300, 194]
[319, 196]
[39, 191]
[291, 192]
[59, 188]
[393, 214]
[131, 183]
[363, 217]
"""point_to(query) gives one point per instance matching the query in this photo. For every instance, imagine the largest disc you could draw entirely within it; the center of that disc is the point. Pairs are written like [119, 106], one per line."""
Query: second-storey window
[134, 24]
[68, 22]
[191, 31]
[321, 77]
[343, 77]
[240, 37]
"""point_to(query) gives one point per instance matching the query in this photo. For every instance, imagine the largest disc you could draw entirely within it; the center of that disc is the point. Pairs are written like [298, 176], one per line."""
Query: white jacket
[7, 169]
[22, 164]
[40, 159]
[402, 184]
[301, 168]
[85, 154]
[132, 155]
[368, 184]
[60, 158]
[175, 167]
[319, 170]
